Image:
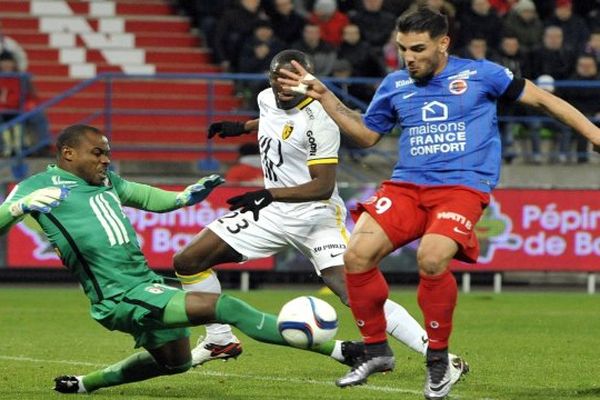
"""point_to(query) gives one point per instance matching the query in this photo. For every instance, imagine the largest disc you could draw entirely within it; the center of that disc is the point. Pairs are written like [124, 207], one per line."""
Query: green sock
[257, 324]
[137, 367]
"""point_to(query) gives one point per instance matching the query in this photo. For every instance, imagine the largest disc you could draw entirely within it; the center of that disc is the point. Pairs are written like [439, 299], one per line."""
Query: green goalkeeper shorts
[139, 312]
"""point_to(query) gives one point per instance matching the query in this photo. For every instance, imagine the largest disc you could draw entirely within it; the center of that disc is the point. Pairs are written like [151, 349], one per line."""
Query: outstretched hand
[226, 129]
[301, 82]
[198, 191]
[251, 201]
[42, 200]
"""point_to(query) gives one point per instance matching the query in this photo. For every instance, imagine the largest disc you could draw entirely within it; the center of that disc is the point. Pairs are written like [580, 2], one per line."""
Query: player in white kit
[299, 207]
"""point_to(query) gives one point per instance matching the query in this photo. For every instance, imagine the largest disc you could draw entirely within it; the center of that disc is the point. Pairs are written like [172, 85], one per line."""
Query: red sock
[437, 299]
[367, 291]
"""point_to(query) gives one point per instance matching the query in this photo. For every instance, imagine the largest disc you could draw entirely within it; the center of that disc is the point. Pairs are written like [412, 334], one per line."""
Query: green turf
[520, 346]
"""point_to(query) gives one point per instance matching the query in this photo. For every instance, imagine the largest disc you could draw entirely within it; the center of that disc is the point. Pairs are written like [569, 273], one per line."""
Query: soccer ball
[307, 321]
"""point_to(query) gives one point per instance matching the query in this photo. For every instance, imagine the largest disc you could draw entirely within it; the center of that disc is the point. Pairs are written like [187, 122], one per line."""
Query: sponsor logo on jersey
[403, 82]
[288, 128]
[434, 111]
[509, 73]
[57, 180]
[154, 289]
[458, 86]
[466, 74]
[312, 143]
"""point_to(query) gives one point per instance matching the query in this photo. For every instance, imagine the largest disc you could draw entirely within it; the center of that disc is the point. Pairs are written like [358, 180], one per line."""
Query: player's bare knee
[355, 262]
[430, 264]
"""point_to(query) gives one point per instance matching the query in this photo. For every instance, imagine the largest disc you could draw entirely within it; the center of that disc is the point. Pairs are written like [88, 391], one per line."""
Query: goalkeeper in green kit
[78, 205]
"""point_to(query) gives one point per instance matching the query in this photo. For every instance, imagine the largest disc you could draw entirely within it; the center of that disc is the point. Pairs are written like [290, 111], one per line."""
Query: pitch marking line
[374, 388]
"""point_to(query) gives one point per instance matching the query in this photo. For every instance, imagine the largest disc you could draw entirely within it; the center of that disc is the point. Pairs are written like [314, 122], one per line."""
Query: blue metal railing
[108, 110]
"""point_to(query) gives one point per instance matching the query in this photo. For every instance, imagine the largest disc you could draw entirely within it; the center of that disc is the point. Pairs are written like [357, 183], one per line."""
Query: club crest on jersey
[288, 128]
[154, 289]
[458, 86]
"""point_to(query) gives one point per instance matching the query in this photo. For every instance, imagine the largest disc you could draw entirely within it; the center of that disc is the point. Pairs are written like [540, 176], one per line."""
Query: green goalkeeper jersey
[89, 231]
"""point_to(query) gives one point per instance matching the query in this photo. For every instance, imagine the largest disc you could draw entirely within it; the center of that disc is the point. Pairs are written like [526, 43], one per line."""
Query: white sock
[402, 326]
[208, 282]
[336, 354]
[81, 388]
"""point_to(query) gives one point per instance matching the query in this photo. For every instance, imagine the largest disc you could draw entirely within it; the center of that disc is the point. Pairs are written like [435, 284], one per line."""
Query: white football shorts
[319, 233]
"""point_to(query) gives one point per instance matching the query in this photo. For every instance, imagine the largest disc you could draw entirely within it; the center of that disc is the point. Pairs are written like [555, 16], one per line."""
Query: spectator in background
[205, 15]
[248, 170]
[502, 7]
[330, 20]
[364, 59]
[477, 49]
[17, 95]
[524, 23]
[9, 44]
[287, 23]
[553, 58]
[375, 24]
[255, 58]
[322, 53]
[593, 45]
[584, 98]
[575, 30]
[512, 57]
[480, 20]
[232, 29]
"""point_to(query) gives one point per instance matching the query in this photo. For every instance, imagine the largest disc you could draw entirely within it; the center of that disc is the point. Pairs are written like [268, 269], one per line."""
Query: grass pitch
[520, 346]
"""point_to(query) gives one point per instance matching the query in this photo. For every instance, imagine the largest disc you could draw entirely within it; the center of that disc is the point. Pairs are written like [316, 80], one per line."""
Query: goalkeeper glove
[42, 200]
[198, 191]
[226, 129]
[251, 201]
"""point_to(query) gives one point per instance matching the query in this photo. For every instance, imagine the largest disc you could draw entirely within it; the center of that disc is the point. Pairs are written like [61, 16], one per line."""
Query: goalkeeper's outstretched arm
[149, 198]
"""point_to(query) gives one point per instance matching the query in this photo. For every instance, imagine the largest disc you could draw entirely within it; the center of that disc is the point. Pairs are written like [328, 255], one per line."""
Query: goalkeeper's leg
[173, 358]
[193, 268]
[199, 308]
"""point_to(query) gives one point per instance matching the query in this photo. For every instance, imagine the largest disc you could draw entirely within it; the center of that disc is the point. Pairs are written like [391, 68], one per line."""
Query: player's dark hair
[71, 136]
[285, 57]
[423, 19]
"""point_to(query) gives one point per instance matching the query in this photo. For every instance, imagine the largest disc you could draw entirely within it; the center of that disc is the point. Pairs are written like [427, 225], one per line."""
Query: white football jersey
[292, 140]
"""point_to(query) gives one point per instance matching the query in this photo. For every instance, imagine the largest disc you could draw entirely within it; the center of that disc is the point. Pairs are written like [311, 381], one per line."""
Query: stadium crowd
[541, 40]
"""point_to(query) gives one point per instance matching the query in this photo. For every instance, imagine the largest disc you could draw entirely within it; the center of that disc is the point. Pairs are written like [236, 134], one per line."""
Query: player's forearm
[561, 110]
[569, 115]
[251, 125]
[311, 191]
[6, 219]
[349, 121]
[149, 198]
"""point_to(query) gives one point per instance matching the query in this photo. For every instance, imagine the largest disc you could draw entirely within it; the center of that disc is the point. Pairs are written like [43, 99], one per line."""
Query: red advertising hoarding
[531, 230]
[550, 230]
[160, 235]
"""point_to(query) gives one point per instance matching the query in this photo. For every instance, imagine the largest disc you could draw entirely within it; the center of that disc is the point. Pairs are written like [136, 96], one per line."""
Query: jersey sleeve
[381, 116]
[143, 197]
[323, 141]
[497, 77]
